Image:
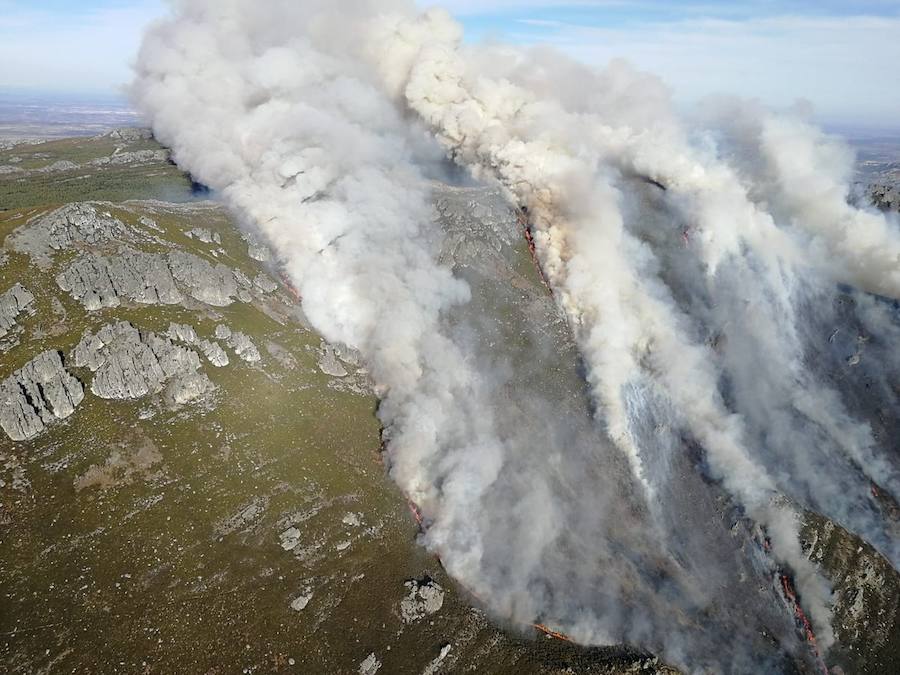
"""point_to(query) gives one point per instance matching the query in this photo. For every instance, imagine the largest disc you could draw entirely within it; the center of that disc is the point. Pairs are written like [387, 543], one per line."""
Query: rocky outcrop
[62, 165]
[215, 285]
[214, 353]
[74, 224]
[885, 196]
[265, 283]
[244, 347]
[129, 134]
[328, 362]
[12, 303]
[424, 598]
[211, 350]
[181, 332]
[99, 281]
[204, 235]
[37, 395]
[129, 364]
[136, 157]
[370, 665]
[256, 249]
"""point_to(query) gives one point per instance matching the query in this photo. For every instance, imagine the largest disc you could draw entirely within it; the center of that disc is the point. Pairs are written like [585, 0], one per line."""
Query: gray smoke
[701, 265]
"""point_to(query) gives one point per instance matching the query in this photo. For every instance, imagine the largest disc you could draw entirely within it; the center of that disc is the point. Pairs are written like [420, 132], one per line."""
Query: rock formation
[423, 599]
[215, 285]
[129, 364]
[885, 196]
[204, 235]
[244, 347]
[103, 281]
[328, 362]
[12, 303]
[67, 226]
[36, 395]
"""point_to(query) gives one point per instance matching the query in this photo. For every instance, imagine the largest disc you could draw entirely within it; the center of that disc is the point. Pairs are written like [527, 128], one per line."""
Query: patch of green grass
[154, 180]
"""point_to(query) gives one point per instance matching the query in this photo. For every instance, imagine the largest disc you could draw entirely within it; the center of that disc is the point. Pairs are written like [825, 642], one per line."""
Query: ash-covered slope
[517, 335]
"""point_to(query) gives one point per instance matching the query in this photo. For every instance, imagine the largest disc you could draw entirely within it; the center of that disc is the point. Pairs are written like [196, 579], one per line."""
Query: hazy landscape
[342, 343]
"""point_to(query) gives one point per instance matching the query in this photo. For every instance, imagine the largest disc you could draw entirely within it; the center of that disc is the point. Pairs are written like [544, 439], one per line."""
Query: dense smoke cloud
[697, 264]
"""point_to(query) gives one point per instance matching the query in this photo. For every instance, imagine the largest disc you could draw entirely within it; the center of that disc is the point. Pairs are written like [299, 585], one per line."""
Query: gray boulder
[37, 395]
[214, 353]
[12, 303]
[129, 364]
[256, 249]
[265, 283]
[100, 281]
[62, 165]
[73, 224]
[424, 598]
[328, 362]
[129, 134]
[244, 347]
[135, 157]
[204, 235]
[188, 388]
[885, 197]
[214, 285]
[181, 332]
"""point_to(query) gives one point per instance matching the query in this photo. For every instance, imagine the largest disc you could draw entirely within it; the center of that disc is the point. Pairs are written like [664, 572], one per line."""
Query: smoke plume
[701, 264]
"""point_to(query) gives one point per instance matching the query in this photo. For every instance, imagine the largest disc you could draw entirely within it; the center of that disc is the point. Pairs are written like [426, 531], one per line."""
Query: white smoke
[689, 262]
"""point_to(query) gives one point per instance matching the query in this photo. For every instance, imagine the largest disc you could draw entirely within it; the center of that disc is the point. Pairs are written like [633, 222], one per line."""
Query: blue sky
[840, 55]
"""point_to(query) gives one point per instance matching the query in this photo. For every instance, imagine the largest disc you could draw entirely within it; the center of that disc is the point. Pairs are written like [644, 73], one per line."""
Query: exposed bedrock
[73, 224]
[12, 303]
[35, 396]
[129, 363]
[885, 196]
[100, 281]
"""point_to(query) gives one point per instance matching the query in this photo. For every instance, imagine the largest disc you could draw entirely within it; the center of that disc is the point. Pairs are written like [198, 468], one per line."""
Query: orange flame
[802, 619]
[291, 288]
[416, 512]
[549, 632]
[522, 219]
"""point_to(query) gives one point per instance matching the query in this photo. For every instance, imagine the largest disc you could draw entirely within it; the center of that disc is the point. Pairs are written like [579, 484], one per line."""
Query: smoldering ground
[657, 500]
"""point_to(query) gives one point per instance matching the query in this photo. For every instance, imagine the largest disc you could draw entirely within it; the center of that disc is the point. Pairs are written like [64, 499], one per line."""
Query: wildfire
[549, 632]
[416, 512]
[291, 288]
[522, 218]
[791, 595]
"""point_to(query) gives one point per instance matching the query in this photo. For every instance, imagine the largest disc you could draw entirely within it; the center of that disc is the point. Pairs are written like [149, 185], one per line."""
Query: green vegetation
[111, 182]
